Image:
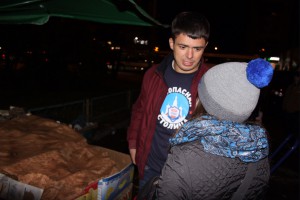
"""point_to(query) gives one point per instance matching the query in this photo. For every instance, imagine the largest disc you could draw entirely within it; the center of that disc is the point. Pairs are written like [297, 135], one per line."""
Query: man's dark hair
[192, 24]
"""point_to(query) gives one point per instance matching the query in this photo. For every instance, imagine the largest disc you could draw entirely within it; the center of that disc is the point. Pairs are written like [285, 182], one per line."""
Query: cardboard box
[115, 187]
[61, 156]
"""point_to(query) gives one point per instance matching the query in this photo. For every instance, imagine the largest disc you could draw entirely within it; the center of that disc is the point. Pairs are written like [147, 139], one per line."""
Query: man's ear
[171, 43]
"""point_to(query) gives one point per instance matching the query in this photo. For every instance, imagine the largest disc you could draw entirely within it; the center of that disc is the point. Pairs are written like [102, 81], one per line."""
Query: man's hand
[132, 155]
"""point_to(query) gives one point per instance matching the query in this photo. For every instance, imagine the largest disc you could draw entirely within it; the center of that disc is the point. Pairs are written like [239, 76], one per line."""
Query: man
[168, 95]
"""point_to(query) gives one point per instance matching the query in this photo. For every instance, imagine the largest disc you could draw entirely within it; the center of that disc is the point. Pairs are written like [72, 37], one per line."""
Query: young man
[168, 95]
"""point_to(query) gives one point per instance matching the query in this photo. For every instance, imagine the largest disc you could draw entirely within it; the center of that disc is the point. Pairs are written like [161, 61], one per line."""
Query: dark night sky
[233, 22]
[229, 24]
[228, 19]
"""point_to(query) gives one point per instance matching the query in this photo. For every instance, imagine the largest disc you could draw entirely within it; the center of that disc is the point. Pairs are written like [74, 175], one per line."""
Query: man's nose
[189, 53]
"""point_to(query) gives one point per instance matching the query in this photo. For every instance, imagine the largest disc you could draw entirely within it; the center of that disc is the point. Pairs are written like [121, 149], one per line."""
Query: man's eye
[182, 47]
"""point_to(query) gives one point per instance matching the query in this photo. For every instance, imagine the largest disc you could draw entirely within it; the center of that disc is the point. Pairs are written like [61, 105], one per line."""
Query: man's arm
[136, 117]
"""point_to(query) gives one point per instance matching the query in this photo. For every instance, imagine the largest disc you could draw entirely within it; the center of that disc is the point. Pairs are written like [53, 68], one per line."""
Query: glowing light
[136, 40]
[274, 59]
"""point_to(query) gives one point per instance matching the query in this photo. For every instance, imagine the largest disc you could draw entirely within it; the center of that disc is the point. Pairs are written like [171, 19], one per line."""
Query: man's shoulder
[204, 67]
[201, 71]
[152, 70]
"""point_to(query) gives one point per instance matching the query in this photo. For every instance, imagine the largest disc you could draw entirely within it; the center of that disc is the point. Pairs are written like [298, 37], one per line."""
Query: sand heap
[52, 156]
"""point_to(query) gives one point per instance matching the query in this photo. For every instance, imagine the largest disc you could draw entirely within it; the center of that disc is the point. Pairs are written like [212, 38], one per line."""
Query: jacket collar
[165, 63]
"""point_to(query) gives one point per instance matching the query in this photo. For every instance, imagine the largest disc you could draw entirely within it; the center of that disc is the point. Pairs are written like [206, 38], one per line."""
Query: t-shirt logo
[175, 108]
[173, 112]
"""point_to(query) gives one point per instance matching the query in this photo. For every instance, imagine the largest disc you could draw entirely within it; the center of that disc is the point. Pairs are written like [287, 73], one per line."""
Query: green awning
[104, 11]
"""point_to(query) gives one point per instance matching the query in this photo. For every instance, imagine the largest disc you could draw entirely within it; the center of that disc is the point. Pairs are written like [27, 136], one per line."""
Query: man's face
[187, 53]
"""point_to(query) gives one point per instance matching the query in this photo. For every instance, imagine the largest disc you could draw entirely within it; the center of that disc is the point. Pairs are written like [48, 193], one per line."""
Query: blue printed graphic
[175, 108]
